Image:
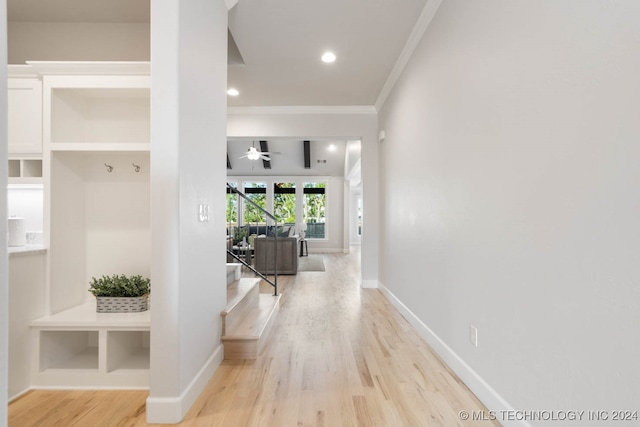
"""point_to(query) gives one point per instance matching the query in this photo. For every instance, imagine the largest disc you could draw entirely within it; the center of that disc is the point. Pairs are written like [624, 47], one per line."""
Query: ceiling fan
[254, 154]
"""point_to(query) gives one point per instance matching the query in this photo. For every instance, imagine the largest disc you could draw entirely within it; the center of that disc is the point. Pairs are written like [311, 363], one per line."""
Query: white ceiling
[280, 43]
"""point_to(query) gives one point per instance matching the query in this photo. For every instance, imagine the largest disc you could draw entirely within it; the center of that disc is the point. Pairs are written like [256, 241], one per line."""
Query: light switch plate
[473, 335]
[203, 213]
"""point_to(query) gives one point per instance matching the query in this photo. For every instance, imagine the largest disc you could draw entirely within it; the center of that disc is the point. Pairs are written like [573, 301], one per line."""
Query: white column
[4, 264]
[346, 215]
[188, 140]
[371, 211]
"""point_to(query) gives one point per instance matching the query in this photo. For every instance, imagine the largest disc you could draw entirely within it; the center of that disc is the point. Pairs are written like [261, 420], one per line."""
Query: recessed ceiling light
[233, 92]
[328, 57]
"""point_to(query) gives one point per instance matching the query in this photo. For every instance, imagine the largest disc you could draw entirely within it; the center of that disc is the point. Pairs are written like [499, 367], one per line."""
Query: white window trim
[299, 181]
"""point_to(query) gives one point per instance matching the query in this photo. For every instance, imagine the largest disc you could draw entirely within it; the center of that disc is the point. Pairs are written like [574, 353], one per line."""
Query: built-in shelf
[80, 347]
[95, 142]
[15, 168]
[115, 146]
[100, 115]
[68, 350]
[25, 171]
[127, 350]
[85, 315]
[84, 68]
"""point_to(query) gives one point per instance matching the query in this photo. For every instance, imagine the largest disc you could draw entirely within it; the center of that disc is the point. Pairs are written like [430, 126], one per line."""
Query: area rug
[311, 263]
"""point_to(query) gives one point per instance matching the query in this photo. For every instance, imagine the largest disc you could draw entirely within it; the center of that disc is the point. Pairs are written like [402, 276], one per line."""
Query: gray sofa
[264, 255]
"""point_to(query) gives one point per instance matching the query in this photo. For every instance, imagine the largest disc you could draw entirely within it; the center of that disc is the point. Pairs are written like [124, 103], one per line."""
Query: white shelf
[85, 68]
[96, 145]
[100, 115]
[136, 361]
[86, 360]
[113, 146]
[68, 350]
[81, 348]
[25, 171]
[14, 168]
[84, 316]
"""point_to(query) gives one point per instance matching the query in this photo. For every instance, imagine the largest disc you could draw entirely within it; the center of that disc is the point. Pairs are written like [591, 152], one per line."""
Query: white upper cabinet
[25, 115]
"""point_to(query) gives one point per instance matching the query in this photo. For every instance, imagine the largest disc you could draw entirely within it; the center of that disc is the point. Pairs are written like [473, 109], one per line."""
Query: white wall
[4, 277]
[26, 201]
[510, 166]
[355, 195]
[319, 122]
[27, 293]
[62, 41]
[188, 136]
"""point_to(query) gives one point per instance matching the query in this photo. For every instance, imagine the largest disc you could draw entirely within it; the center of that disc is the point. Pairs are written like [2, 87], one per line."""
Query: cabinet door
[25, 115]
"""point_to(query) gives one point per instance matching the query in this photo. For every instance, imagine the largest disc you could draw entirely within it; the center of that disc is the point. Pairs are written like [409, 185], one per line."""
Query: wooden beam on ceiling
[264, 148]
[307, 154]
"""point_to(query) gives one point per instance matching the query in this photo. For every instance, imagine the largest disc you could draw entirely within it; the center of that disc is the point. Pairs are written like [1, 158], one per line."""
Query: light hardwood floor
[338, 355]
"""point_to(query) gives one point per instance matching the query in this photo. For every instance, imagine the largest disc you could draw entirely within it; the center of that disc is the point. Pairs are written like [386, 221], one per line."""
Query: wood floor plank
[337, 355]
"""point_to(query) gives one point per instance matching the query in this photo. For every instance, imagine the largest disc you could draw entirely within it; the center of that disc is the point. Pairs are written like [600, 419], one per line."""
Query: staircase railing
[274, 282]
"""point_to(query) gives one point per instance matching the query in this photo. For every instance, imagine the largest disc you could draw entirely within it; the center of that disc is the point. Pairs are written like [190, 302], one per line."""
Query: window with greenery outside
[284, 202]
[257, 193]
[232, 206]
[315, 201]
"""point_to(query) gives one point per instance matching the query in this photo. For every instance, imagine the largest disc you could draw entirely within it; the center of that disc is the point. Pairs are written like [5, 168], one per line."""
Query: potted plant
[120, 293]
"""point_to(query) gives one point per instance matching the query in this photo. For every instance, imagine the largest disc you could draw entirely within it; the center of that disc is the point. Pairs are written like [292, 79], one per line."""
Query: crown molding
[308, 109]
[21, 71]
[424, 20]
[90, 67]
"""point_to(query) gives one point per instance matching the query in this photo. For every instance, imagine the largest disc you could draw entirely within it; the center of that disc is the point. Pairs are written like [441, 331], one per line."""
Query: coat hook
[109, 168]
[136, 167]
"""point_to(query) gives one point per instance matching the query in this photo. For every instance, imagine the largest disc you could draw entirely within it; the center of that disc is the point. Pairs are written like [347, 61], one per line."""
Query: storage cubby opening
[100, 220]
[68, 350]
[32, 168]
[14, 168]
[104, 115]
[127, 350]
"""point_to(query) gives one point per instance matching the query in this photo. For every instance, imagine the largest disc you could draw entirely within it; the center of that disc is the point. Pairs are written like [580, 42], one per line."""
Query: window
[257, 193]
[315, 202]
[232, 206]
[284, 202]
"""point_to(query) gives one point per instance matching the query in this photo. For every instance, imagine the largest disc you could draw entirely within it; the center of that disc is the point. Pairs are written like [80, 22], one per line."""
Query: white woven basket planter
[122, 304]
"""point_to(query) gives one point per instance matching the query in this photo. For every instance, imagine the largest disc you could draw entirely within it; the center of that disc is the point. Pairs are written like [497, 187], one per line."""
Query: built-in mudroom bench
[95, 176]
[81, 348]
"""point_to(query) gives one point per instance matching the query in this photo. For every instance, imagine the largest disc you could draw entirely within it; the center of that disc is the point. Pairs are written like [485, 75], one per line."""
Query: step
[234, 272]
[246, 339]
[242, 299]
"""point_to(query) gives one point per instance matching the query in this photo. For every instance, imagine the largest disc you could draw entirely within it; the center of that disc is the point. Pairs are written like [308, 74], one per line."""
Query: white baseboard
[171, 410]
[487, 395]
[19, 395]
[326, 251]
[370, 284]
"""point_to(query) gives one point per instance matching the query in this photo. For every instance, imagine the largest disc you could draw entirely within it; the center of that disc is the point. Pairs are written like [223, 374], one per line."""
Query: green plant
[120, 286]
[239, 234]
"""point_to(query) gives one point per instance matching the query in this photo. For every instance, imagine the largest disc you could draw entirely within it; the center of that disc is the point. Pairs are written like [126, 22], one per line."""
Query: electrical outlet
[203, 213]
[473, 335]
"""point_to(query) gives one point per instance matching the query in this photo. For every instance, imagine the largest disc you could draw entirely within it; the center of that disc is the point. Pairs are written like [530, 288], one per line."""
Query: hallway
[338, 355]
